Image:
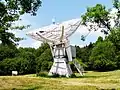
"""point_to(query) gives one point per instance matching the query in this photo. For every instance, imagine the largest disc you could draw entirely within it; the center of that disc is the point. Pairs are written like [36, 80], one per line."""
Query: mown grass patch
[91, 81]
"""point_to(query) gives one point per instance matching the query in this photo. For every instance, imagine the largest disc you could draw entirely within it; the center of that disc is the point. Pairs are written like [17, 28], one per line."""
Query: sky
[61, 10]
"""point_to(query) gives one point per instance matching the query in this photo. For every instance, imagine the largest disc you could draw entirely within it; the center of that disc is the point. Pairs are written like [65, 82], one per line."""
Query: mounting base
[61, 67]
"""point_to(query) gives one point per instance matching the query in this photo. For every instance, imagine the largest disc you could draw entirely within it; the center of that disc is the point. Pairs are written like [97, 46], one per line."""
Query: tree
[28, 57]
[114, 37]
[84, 53]
[43, 58]
[99, 17]
[14, 64]
[44, 61]
[103, 56]
[7, 52]
[100, 39]
[41, 49]
[116, 4]
[23, 62]
[10, 11]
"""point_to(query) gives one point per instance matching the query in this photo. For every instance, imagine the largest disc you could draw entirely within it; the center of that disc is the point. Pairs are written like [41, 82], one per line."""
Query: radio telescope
[57, 36]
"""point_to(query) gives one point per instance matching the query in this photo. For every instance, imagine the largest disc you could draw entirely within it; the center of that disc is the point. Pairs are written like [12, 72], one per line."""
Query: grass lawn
[91, 81]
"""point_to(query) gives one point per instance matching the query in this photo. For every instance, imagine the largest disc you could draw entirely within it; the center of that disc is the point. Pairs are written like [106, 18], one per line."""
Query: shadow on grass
[29, 88]
[45, 75]
[75, 76]
[92, 76]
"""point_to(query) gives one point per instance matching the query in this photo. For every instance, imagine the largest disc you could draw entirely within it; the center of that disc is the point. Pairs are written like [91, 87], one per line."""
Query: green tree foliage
[41, 49]
[23, 62]
[18, 64]
[30, 57]
[114, 37]
[100, 17]
[7, 52]
[10, 11]
[45, 60]
[97, 14]
[11, 58]
[103, 56]
[100, 39]
[105, 53]
[116, 4]
[84, 53]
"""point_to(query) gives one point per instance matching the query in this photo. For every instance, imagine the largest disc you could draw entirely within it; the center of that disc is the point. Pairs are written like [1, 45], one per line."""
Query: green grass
[91, 81]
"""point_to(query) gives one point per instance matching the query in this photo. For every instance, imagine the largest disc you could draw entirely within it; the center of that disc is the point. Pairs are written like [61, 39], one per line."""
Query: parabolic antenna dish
[52, 33]
[56, 35]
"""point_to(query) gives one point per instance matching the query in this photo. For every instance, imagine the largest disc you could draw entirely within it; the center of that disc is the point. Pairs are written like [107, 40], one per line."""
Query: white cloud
[29, 43]
[36, 44]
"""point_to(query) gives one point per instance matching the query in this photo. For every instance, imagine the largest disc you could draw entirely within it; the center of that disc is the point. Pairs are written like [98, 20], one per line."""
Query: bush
[45, 74]
[55, 75]
[73, 76]
[62, 75]
[42, 74]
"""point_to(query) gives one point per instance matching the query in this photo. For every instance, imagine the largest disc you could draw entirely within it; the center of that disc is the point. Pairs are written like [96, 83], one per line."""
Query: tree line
[103, 55]
[25, 60]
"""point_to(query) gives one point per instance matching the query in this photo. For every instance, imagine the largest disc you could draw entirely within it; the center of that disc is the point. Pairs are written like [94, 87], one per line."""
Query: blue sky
[61, 10]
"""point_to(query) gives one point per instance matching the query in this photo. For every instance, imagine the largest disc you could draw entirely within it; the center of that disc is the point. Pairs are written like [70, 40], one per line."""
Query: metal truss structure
[57, 36]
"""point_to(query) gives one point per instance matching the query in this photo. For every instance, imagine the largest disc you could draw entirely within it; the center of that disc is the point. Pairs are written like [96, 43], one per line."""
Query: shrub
[73, 76]
[55, 75]
[42, 74]
[62, 75]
